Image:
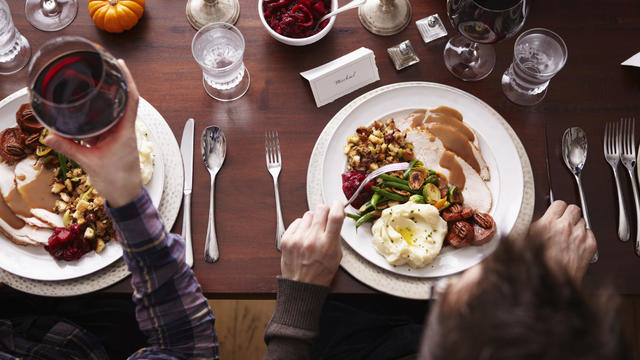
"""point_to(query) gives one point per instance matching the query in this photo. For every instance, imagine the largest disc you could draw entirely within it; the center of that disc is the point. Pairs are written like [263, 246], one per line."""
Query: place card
[342, 75]
[633, 61]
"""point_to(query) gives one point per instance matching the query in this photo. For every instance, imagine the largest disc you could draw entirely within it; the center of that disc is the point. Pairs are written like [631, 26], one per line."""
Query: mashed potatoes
[145, 151]
[409, 234]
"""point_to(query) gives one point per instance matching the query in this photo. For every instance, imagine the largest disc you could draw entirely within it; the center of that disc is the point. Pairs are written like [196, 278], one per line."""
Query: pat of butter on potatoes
[410, 234]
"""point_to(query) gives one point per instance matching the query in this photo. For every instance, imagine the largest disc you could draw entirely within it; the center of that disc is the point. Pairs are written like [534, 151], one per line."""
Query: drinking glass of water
[218, 48]
[538, 56]
[14, 48]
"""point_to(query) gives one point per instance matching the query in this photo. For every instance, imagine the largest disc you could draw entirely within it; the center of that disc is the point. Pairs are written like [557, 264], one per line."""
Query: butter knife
[186, 148]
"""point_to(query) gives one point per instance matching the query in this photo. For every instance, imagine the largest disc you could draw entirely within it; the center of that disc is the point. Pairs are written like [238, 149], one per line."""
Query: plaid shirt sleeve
[170, 308]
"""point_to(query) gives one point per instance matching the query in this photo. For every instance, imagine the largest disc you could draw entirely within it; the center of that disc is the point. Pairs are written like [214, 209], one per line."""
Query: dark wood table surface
[591, 89]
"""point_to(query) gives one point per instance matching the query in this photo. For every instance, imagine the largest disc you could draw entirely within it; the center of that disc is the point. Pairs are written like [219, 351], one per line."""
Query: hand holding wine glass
[112, 160]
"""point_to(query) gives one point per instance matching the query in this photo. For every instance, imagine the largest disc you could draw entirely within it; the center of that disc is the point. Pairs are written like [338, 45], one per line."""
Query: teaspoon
[214, 149]
[352, 5]
[574, 153]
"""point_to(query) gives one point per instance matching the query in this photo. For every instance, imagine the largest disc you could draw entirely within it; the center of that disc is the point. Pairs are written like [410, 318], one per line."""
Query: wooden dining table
[592, 89]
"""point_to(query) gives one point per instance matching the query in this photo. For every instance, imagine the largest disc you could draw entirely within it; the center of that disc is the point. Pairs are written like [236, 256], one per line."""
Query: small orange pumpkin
[116, 16]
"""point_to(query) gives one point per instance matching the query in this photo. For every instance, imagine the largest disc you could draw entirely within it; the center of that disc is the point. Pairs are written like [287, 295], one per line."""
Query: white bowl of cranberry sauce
[295, 22]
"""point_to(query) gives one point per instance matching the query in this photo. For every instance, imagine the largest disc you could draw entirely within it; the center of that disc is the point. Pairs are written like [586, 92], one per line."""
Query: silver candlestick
[385, 17]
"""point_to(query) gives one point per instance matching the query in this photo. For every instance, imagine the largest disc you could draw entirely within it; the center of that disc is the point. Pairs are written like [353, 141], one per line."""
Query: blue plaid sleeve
[170, 307]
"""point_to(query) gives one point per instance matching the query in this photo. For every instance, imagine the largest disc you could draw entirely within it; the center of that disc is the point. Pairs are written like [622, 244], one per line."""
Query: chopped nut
[76, 172]
[83, 206]
[56, 188]
[61, 206]
[65, 197]
[68, 184]
[98, 201]
[99, 245]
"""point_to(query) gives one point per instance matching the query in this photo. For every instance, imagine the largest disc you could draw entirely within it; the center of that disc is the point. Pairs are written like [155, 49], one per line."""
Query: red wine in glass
[77, 89]
[480, 22]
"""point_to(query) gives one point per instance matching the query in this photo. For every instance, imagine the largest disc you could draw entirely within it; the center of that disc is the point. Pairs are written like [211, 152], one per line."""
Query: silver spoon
[214, 149]
[574, 152]
[353, 4]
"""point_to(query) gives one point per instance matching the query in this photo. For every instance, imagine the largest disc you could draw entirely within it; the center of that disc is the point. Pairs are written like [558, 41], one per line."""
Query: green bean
[365, 207]
[389, 195]
[396, 185]
[372, 215]
[391, 178]
[353, 216]
[63, 165]
[374, 199]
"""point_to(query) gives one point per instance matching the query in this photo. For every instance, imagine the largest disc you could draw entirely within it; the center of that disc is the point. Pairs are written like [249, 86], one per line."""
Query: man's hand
[112, 160]
[311, 249]
[569, 245]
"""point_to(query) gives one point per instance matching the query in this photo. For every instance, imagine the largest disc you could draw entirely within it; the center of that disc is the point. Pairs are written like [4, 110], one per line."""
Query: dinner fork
[274, 165]
[628, 157]
[374, 174]
[612, 145]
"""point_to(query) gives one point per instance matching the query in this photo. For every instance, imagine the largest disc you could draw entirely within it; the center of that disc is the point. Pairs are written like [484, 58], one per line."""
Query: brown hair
[521, 309]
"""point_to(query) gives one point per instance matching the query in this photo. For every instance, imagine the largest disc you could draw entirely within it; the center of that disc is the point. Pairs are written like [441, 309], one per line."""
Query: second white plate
[34, 262]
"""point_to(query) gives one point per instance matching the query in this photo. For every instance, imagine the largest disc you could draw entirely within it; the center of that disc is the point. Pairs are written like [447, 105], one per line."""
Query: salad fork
[612, 148]
[274, 165]
[628, 157]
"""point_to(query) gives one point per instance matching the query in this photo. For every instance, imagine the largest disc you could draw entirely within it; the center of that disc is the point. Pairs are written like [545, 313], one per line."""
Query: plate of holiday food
[463, 190]
[53, 225]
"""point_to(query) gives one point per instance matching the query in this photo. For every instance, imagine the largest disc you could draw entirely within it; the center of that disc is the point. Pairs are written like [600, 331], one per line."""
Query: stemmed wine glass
[203, 12]
[51, 15]
[470, 56]
[77, 88]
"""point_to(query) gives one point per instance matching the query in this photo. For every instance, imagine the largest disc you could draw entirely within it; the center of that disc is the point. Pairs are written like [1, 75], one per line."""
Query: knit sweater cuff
[299, 304]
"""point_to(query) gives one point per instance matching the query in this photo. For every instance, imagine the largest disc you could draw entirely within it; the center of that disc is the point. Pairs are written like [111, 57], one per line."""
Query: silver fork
[274, 165]
[628, 157]
[374, 174]
[612, 148]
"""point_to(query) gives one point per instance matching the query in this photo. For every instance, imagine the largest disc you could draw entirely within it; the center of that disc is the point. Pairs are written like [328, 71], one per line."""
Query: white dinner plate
[33, 262]
[497, 146]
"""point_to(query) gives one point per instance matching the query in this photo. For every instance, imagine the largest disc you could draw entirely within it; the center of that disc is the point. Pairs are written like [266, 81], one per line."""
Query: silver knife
[186, 148]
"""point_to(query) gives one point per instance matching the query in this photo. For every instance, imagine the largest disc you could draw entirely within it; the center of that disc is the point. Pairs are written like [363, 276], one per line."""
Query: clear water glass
[539, 54]
[14, 48]
[218, 48]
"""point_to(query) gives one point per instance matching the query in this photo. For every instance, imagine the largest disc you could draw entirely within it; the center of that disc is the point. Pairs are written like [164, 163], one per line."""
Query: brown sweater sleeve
[295, 321]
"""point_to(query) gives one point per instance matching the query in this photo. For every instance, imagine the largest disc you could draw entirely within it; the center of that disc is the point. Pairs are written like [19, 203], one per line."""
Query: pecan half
[460, 234]
[27, 121]
[484, 228]
[12, 145]
[466, 212]
[31, 142]
[484, 220]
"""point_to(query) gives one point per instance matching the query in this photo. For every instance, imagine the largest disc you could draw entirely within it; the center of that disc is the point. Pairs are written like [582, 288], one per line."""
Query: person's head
[515, 306]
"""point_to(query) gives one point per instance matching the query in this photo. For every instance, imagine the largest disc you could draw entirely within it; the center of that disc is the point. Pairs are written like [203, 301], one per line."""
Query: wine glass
[77, 88]
[203, 12]
[470, 56]
[50, 15]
